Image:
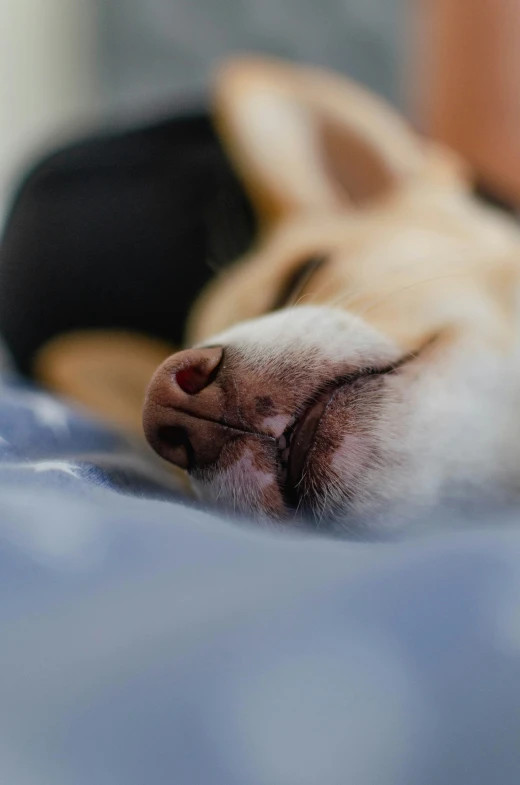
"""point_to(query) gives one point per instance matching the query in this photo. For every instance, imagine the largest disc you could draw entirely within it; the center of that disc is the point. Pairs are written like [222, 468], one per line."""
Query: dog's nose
[183, 407]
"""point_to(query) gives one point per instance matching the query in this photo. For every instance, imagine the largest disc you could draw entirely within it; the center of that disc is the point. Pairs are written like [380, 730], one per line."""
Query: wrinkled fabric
[144, 641]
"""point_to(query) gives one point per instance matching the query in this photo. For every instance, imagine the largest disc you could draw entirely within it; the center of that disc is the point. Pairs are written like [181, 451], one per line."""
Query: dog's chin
[313, 472]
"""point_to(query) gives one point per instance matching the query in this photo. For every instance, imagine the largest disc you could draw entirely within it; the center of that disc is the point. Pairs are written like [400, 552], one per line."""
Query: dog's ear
[306, 139]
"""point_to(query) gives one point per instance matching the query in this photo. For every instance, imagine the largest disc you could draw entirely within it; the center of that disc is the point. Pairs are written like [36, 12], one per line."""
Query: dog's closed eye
[297, 280]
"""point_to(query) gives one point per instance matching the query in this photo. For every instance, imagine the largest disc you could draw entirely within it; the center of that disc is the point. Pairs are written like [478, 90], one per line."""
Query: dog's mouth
[297, 442]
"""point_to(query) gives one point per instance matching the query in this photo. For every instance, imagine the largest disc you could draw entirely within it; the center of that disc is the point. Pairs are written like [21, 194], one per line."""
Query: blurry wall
[156, 50]
[48, 76]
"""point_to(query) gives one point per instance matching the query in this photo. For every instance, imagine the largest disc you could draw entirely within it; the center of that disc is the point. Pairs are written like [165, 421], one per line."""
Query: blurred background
[69, 65]
[122, 231]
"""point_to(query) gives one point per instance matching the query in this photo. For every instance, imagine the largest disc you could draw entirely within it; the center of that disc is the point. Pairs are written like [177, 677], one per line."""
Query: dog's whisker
[393, 293]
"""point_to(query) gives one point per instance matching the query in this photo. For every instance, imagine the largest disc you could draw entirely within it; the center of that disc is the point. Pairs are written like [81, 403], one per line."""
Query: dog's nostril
[201, 372]
[191, 380]
[174, 444]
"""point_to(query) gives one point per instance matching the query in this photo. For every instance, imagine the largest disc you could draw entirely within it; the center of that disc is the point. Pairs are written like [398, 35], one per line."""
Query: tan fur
[411, 257]
[422, 257]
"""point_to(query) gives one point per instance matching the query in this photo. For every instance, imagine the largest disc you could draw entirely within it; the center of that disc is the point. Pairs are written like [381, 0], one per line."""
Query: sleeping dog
[363, 359]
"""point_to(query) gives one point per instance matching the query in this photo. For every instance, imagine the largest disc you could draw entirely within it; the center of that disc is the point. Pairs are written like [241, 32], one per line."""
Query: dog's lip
[303, 439]
[301, 434]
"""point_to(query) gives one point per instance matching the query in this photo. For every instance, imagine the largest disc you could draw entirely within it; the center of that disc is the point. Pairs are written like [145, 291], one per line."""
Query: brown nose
[183, 409]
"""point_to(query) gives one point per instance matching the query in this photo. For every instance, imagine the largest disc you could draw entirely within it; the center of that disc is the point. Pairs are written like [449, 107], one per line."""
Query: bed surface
[144, 641]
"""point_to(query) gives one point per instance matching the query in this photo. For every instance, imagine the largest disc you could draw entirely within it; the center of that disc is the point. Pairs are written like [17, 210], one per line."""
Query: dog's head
[361, 358]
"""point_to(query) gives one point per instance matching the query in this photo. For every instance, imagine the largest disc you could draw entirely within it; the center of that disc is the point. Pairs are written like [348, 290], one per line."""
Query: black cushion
[120, 230]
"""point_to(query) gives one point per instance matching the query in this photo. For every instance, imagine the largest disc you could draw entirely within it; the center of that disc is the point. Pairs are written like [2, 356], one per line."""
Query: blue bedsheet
[145, 642]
